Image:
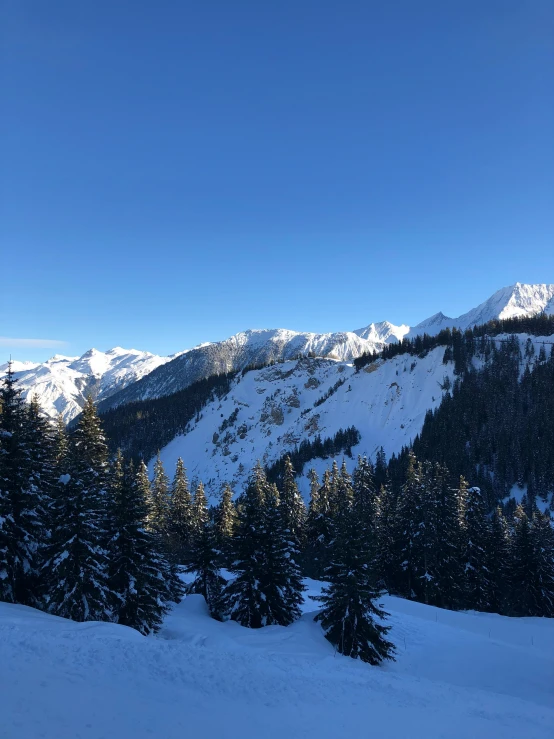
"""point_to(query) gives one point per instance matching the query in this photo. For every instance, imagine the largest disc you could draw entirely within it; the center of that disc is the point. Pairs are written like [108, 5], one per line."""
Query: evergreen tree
[350, 616]
[243, 597]
[319, 525]
[385, 509]
[138, 571]
[532, 566]
[498, 562]
[226, 524]
[408, 534]
[158, 503]
[180, 515]
[77, 565]
[22, 520]
[204, 563]
[199, 511]
[475, 532]
[267, 586]
[292, 506]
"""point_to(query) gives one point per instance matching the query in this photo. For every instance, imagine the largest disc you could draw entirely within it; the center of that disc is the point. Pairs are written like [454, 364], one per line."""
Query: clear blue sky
[174, 172]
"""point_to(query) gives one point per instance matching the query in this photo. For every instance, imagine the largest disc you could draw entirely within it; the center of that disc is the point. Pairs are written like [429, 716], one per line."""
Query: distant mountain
[120, 376]
[62, 383]
[509, 302]
[254, 347]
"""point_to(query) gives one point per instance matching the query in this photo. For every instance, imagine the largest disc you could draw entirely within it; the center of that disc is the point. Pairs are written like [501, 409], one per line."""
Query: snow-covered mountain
[509, 302]
[120, 376]
[62, 383]
[254, 347]
[269, 411]
[262, 346]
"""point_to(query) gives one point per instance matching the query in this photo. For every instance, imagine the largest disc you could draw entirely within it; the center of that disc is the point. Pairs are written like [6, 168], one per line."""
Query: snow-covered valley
[457, 676]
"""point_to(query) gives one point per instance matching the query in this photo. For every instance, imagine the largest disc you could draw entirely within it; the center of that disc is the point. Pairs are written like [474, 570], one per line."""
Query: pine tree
[158, 503]
[267, 586]
[203, 561]
[350, 617]
[243, 598]
[180, 515]
[408, 526]
[292, 506]
[474, 556]
[77, 565]
[226, 524]
[199, 511]
[22, 502]
[138, 571]
[319, 525]
[532, 565]
[385, 508]
[498, 562]
[364, 499]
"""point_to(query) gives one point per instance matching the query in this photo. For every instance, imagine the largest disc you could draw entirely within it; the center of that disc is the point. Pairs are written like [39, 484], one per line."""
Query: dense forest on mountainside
[496, 426]
[143, 427]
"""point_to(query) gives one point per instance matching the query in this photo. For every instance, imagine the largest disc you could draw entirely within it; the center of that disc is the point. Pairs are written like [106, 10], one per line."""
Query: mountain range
[120, 376]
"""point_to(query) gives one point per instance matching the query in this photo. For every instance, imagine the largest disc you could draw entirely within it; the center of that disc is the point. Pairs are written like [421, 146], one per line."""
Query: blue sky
[175, 172]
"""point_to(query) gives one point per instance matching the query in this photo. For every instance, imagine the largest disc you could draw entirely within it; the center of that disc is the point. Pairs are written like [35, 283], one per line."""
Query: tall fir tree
[319, 526]
[158, 504]
[77, 565]
[350, 617]
[180, 515]
[408, 534]
[203, 562]
[226, 524]
[475, 532]
[200, 513]
[498, 563]
[292, 506]
[22, 521]
[138, 570]
[267, 586]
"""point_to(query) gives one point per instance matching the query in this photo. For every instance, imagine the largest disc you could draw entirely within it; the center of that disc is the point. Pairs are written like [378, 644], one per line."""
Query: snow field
[457, 676]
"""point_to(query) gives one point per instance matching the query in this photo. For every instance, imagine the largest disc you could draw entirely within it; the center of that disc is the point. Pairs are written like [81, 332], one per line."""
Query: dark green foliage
[226, 524]
[319, 526]
[180, 525]
[350, 615]
[476, 536]
[140, 576]
[292, 506]
[532, 565]
[77, 562]
[158, 504]
[25, 487]
[203, 562]
[341, 442]
[267, 586]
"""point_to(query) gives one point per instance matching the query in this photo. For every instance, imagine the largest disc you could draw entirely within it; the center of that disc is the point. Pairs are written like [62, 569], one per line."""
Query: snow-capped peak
[62, 383]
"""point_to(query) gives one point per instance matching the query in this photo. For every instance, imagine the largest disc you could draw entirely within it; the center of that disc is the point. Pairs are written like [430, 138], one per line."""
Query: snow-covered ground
[457, 676]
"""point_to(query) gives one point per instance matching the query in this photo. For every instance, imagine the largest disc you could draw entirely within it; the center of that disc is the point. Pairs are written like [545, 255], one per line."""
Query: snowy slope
[62, 383]
[386, 402]
[457, 676]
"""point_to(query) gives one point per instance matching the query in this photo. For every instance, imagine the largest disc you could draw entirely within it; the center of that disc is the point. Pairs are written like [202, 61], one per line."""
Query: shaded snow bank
[457, 676]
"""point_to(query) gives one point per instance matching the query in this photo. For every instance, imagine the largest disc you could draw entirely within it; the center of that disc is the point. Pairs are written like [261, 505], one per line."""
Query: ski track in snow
[457, 676]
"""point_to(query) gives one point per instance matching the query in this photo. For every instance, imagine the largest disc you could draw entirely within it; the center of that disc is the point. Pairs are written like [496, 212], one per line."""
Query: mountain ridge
[120, 376]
